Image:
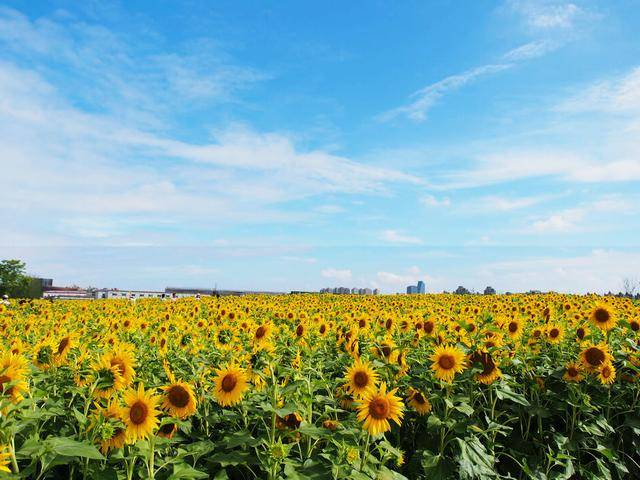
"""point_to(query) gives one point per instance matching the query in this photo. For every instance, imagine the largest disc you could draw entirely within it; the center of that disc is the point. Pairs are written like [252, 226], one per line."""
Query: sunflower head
[360, 377]
[447, 361]
[603, 316]
[593, 357]
[179, 400]
[140, 413]
[230, 385]
[377, 407]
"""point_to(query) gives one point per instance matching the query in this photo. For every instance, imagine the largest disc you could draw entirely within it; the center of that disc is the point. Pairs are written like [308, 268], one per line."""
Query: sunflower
[603, 317]
[13, 384]
[261, 336]
[5, 458]
[124, 361]
[140, 413]
[107, 377]
[43, 355]
[634, 325]
[490, 371]
[594, 356]
[447, 361]
[377, 407]
[419, 401]
[167, 430]
[360, 377]
[62, 348]
[581, 332]
[514, 328]
[230, 385]
[572, 372]
[555, 333]
[109, 423]
[607, 373]
[179, 400]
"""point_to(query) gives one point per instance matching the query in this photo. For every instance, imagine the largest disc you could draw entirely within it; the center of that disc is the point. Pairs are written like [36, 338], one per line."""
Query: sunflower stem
[14, 460]
[365, 453]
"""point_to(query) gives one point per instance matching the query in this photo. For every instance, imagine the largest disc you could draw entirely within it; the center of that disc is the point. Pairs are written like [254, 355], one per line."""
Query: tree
[461, 291]
[13, 280]
[489, 291]
[630, 286]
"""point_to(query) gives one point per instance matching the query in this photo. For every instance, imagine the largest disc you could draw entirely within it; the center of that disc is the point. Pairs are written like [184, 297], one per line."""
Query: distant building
[419, 288]
[351, 291]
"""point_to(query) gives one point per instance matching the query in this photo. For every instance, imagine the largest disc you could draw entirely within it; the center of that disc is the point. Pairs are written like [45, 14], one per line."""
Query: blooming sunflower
[607, 373]
[555, 333]
[377, 407]
[230, 385]
[447, 361]
[140, 413]
[603, 316]
[573, 372]
[419, 401]
[107, 377]
[360, 377]
[514, 328]
[179, 399]
[594, 356]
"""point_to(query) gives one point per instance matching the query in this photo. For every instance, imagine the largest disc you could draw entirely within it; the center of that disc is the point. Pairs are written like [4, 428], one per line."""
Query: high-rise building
[411, 289]
[421, 287]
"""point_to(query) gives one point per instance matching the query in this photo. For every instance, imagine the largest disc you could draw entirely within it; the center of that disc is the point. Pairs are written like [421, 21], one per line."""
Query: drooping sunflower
[261, 335]
[603, 316]
[419, 401]
[447, 361]
[124, 360]
[377, 407]
[230, 385]
[607, 373]
[572, 372]
[360, 377]
[167, 430]
[107, 377]
[12, 383]
[140, 413]
[63, 347]
[110, 422]
[179, 399]
[5, 459]
[594, 356]
[490, 371]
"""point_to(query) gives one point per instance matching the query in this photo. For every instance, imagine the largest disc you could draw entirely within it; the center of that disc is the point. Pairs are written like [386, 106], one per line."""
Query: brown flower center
[178, 396]
[138, 413]
[260, 332]
[116, 362]
[300, 331]
[554, 333]
[572, 372]
[379, 408]
[601, 315]
[594, 356]
[580, 333]
[513, 327]
[361, 379]
[446, 362]
[429, 326]
[229, 382]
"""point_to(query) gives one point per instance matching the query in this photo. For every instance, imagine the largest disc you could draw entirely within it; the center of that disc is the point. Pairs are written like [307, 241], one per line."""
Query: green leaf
[504, 392]
[72, 448]
[474, 460]
[182, 471]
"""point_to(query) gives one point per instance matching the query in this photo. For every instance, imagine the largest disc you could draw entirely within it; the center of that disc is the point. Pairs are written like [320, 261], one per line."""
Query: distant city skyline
[292, 145]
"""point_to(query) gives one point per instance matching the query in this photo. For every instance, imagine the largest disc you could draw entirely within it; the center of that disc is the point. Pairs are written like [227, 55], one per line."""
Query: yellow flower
[607, 374]
[447, 361]
[572, 373]
[230, 385]
[603, 317]
[179, 400]
[5, 459]
[594, 356]
[419, 401]
[377, 407]
[140, 413]
[360, 377]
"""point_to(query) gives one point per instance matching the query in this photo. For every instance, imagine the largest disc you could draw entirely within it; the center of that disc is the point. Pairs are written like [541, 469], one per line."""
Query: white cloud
[598, 271]
[391, 282]
[492, 203]
[432, 201]
[329, 209]
[394, 236]
[427, 97]
[545, 15]
[530, 50]
[337, 274]
[617, 95]
[561, 222]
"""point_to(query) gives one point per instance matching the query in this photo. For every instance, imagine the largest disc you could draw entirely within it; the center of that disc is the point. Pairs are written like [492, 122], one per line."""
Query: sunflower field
[321, 387]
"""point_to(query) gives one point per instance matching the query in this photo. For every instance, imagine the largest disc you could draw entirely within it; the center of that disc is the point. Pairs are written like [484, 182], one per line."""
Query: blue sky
[287, 145]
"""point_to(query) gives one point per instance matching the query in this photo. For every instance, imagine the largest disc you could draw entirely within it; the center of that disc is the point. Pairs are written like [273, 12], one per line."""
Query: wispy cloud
[424, 99]
[432, 201]
[394, 236]
[547, 15]
[531, 50]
